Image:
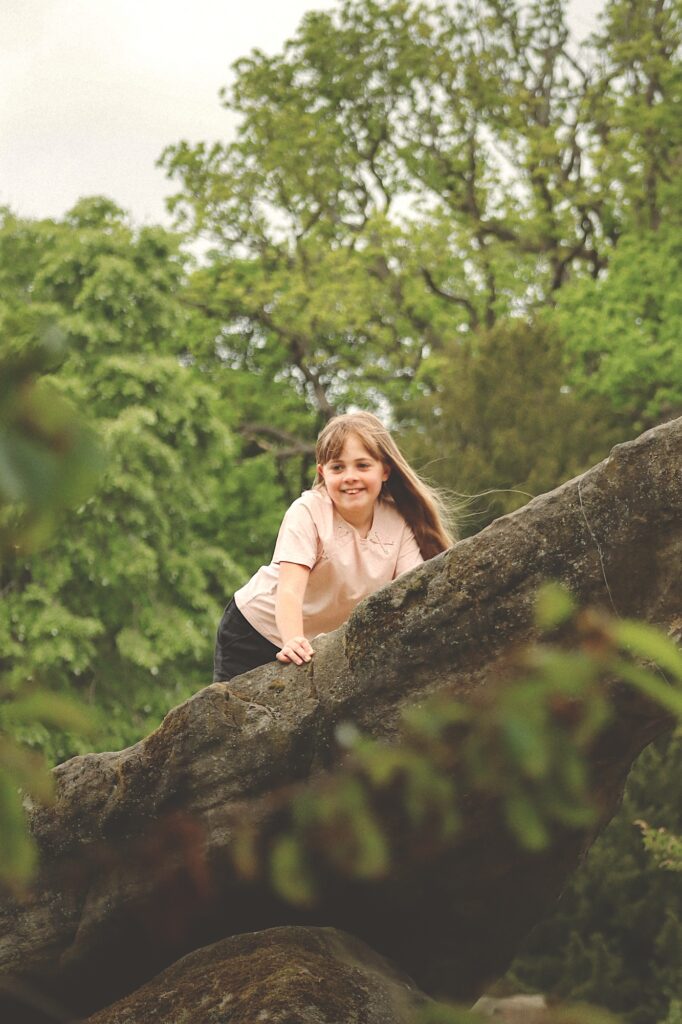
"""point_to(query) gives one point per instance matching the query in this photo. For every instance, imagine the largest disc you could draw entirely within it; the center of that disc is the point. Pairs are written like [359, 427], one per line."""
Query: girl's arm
[291, 586]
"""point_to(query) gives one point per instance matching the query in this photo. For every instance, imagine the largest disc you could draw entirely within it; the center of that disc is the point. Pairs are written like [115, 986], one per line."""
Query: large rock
[289, 975]
[137, 852]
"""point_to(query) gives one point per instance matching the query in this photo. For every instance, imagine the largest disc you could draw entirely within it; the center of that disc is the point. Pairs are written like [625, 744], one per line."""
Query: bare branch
[459, 300]
[263, 434]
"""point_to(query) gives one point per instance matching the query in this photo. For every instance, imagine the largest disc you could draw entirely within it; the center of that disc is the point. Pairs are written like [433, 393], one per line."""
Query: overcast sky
[91, 91]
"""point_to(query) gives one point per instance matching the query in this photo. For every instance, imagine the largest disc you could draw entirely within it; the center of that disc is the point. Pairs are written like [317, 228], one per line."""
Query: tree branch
[458, 300]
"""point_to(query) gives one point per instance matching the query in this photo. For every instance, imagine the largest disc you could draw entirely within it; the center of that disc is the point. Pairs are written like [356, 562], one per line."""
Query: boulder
[138, 857]
[288, 975]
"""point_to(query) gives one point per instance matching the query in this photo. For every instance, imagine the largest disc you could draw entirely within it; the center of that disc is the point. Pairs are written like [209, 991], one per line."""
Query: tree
[498, 424]
[404, 174]
[49, 460]
[633, 98]
[122, 607]
[616, 936]
[622, 331]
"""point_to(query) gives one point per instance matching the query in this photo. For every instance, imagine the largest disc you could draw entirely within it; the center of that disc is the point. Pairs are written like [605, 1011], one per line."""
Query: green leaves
[17, 852]
[24, 775]
[664, 846]
[614, 936]
[291, 874]
[496, 422]
[622, 330]
[525, 821]
[361, 142]
[48, 709]
[524, 744]
[341, 822]
[663, 682]
[554, 606]
[49, 457]
[134, 579]
[645, 641]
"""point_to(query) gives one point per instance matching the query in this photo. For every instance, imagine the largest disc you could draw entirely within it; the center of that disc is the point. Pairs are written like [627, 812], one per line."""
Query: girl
[367, 519]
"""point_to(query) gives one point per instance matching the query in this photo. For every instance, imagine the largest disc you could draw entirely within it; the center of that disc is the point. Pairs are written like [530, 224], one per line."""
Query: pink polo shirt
[344, 567]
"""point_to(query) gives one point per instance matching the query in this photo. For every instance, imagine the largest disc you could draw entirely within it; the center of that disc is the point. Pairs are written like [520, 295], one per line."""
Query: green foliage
[497, 421]
[633, 99]
[405, 175]
[447, 213]
[616, 936]
[48, 460]
[674, 1012]
[622, 330]
[23, 773]
[554, 606]
[121, 609]
[663, 845]
[291, 871]
[524, 745]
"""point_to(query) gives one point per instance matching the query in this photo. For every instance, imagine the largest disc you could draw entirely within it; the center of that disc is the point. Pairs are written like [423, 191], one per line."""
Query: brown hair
[419, 504]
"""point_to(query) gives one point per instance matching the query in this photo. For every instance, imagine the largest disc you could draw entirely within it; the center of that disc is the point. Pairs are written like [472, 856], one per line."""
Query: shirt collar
[378, 533]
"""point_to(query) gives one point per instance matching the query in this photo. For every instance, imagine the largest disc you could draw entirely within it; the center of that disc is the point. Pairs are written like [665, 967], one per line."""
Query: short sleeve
[297, 537]
[409, 554]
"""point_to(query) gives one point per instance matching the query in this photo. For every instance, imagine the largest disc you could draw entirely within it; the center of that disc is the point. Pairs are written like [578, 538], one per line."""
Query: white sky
[92, 91]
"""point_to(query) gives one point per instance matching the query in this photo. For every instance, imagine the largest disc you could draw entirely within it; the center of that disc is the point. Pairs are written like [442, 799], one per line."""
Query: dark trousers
[239, 647]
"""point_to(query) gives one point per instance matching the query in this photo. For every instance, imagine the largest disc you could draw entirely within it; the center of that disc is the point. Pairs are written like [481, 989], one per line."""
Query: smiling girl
[368, 519]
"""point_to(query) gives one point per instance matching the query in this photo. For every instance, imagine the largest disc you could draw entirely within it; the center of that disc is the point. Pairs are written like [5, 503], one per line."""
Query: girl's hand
[297, 649]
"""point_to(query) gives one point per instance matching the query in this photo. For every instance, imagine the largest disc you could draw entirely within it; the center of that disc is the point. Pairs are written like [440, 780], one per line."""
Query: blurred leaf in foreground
[49, 460]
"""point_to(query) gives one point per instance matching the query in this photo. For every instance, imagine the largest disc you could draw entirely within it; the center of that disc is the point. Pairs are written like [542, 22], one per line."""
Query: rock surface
[289, 975]
[137, 852]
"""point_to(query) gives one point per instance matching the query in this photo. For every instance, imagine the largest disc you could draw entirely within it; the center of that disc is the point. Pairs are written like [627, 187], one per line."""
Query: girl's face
[354, 480]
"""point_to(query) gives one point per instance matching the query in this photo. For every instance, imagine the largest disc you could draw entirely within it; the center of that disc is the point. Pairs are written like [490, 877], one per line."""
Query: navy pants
[239, 647]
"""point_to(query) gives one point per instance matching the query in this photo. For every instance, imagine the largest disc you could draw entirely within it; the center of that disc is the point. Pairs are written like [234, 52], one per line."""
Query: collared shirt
[344, 567]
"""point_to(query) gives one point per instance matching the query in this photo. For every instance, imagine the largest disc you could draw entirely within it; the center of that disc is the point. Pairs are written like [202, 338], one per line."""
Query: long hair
[420, 505]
